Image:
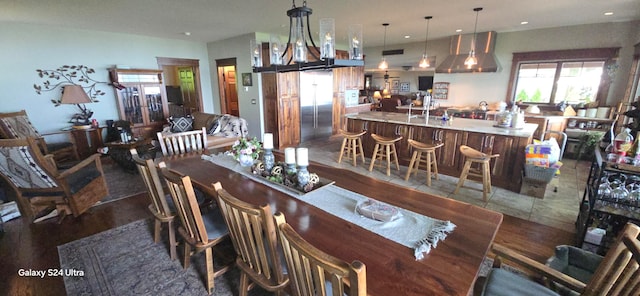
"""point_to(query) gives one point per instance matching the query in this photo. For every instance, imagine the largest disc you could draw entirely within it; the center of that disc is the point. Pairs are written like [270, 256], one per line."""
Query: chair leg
[410, 169]
[434, 162]
[359, 141]
[344, 142]
[373, 157]
[428, 169]
[156, 231]
[388, 153]
[353, 151]
[244, 284]
[416, 166]
[463, 176]
[187, 255]
[172, 240]
[395, 156]
[486, 181]
[209, 258]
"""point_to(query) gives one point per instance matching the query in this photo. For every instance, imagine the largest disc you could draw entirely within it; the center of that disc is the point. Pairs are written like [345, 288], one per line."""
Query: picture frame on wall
[247, 79]
[395, 84]
[404, 87]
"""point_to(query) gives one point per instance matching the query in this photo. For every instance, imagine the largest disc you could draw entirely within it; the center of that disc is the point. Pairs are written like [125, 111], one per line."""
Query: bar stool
[430, 161]
[475, 156]
[384, 147]
[352, 144]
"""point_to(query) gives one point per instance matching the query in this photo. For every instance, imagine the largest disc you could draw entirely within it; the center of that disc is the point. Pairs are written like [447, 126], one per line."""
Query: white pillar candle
[289, 155]
[302, 155]
[267, 141]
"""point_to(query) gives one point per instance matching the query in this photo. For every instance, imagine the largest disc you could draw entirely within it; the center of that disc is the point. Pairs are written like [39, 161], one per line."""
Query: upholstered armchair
[40, 188]
[16, 125]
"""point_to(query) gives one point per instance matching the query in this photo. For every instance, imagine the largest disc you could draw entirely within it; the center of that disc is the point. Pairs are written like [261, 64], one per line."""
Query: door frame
[194, 64]
[221, 63]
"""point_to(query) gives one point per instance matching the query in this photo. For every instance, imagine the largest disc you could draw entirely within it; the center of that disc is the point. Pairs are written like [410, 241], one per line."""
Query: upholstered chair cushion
[501, 282]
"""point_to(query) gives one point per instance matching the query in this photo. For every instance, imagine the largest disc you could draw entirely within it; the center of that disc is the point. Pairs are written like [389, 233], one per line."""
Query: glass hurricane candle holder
[268, 160]
[303, 176]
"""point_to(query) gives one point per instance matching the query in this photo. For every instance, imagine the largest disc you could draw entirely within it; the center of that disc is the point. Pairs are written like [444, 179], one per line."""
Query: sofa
[223, 130]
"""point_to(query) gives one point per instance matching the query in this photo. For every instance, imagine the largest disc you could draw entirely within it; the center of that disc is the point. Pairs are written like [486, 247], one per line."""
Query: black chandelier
[301, 52]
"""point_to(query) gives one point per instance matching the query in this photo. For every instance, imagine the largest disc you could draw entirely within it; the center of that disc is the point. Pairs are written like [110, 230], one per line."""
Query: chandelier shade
[301, 53]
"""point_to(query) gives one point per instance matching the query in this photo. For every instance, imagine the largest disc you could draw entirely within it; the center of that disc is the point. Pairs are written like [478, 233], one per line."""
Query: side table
[119, 152]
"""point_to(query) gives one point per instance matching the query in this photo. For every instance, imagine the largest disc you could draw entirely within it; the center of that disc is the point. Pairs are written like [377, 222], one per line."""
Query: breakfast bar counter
[482, 135]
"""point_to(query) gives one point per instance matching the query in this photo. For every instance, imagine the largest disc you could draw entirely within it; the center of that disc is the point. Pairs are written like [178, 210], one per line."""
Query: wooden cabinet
[449, 154]
[282, 107]
[141, 100]
[546, 123]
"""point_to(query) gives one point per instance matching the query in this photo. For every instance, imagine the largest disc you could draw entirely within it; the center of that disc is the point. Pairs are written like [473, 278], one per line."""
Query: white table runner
[412, 230]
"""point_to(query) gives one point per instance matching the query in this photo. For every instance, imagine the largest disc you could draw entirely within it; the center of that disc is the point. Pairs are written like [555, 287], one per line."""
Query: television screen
[174, 95]
[425, 83]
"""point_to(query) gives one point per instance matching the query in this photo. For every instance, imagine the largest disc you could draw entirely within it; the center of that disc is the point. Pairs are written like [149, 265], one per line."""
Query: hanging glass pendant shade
[424, 62]
[383, 63]
[471, 60]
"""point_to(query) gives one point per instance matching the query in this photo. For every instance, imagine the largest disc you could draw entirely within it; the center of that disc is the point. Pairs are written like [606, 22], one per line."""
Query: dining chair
[184, 142]
[254, 238]
[617, 274]
[40, 187]
[200, 231]
[16, 125]
[311, 270]
[162, 210]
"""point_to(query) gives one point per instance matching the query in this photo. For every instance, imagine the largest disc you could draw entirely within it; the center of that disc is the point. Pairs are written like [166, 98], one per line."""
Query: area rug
[126, 261]
[121, 183]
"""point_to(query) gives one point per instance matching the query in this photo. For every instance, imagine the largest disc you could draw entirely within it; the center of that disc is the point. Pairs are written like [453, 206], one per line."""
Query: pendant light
[471, 59]
[383, 64]
[424, 62]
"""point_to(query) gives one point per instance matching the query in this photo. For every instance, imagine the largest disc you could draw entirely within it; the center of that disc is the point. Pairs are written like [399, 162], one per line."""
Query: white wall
[250, 97]
[25, 48]
[467, 89]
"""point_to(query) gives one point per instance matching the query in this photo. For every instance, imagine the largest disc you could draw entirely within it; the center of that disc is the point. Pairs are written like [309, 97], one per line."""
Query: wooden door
[230, 90]
[288, 109]
[190, 98]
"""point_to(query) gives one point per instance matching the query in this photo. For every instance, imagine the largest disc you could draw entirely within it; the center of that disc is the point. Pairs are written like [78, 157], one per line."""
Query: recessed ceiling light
[458, 30]
[608, 13]
[524, 22]
[407, 36]
[187, 33]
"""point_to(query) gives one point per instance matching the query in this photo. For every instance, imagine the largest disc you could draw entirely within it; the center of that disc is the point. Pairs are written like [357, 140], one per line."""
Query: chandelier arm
[426, 38]
[314, 48]
[286, 48]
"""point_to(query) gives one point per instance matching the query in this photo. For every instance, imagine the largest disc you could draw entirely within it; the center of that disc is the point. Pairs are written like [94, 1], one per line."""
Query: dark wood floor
[34, 246]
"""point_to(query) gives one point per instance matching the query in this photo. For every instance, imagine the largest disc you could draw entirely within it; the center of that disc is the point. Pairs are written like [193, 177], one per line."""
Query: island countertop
[463, 124]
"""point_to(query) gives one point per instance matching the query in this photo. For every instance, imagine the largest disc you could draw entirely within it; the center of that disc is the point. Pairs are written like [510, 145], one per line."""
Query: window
[551, 77]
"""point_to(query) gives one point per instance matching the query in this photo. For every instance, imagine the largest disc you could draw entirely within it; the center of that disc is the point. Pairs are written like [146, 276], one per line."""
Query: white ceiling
[213, 20]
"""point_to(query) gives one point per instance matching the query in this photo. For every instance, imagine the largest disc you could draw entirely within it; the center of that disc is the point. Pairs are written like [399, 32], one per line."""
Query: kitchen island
[506, 170]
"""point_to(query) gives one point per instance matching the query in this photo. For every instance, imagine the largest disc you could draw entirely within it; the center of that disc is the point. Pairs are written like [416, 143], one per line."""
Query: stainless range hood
[459, 51]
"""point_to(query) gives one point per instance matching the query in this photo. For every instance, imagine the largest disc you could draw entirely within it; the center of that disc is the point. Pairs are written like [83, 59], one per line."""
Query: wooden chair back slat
[253, 233]
[308, 266]
[618, 273]
[151, 178]
[181, 143]
[186, 205]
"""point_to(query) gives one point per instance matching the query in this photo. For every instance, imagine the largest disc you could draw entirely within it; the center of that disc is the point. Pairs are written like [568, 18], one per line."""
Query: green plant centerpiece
[279, 175]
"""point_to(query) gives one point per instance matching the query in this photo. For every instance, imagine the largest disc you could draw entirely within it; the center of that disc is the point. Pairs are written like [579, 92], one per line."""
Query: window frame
[608, 55]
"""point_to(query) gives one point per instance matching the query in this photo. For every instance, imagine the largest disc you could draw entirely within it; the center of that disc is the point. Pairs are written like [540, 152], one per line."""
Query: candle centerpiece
[286, 174]
[268, 158]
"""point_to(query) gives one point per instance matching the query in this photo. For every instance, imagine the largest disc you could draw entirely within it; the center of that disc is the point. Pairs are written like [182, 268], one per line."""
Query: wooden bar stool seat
[352, 144]
[384, 149]
[429, 160]
[475, 156]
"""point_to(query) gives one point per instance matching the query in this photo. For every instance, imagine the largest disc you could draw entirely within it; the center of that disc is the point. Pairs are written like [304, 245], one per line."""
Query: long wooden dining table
[449, 269]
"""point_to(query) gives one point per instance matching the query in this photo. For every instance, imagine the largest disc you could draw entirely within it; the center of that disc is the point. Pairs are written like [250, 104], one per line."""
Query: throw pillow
[181, 124]
[215, 127]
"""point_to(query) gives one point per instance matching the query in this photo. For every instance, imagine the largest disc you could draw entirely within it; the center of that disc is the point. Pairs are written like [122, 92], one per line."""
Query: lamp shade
[385, 93]
[74, 94]
[377, 95]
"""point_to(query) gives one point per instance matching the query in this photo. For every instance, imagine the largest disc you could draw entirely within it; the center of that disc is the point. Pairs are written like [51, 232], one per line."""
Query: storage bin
[539, 173]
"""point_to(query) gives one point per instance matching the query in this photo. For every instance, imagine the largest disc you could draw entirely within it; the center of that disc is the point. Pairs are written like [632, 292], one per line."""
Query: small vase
[268, 159]
[245, 160]
[303, 176]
